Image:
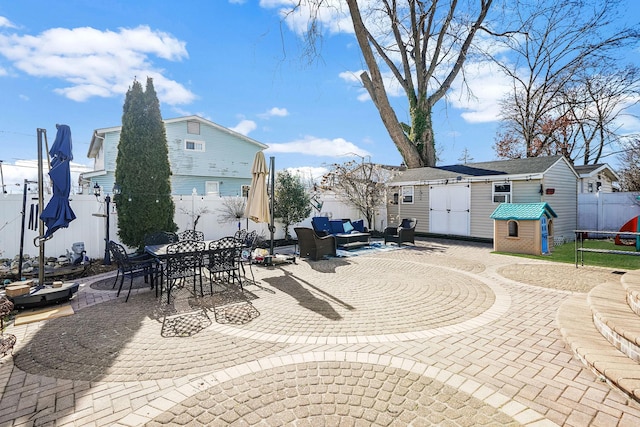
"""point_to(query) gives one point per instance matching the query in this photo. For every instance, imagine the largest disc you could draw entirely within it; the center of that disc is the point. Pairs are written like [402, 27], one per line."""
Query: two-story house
[203, 156]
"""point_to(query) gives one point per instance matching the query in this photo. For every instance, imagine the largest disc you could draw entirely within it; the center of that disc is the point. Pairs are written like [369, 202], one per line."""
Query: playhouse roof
[523, 211]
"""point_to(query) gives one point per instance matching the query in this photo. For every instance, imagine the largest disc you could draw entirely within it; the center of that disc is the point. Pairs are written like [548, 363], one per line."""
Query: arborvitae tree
[291, 202]
[142, 169]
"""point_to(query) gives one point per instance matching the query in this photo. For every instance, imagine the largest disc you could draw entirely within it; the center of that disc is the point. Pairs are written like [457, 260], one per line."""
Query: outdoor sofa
[323, 226]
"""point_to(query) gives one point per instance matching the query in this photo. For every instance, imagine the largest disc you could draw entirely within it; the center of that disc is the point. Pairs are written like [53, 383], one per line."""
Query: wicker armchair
[402, 234]
[312, 246]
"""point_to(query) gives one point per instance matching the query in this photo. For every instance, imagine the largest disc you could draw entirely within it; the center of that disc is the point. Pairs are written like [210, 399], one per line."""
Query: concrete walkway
[442, 333]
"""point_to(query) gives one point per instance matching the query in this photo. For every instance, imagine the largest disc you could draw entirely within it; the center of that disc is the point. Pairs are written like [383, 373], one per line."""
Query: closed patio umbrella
[58, 214]
[257, 209]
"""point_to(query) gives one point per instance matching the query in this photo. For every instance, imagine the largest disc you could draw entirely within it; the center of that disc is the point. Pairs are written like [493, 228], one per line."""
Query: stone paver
[441, 333]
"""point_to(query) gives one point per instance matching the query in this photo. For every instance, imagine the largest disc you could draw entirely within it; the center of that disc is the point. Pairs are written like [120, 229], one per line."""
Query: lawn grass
[566, 253]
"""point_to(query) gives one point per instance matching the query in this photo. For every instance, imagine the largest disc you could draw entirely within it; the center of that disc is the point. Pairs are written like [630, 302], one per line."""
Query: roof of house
[98, 134]
[585, 171]
[523, 211]
[526, 166]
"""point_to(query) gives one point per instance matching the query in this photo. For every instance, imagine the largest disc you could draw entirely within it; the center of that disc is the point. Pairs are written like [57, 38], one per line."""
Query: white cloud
[5, 23]
[488, 87]
[333, 15]
[245, 127]
[98, 63]
[274, 112]
[391, 85]
[15, 174]
[308, 173]
[320, 147]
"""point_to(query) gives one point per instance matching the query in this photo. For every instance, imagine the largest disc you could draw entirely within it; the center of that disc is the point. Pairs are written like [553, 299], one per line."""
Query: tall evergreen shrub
[142, 168]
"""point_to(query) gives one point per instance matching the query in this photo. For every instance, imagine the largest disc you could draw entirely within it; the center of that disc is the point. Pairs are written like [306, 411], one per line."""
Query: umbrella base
[41, 296]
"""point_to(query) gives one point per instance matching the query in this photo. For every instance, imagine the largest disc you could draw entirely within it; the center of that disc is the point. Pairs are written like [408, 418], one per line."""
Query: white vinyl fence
[606, 211]
[90, 228]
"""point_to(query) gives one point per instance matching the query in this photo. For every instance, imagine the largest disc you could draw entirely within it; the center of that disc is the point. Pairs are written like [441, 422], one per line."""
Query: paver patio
[441, 333]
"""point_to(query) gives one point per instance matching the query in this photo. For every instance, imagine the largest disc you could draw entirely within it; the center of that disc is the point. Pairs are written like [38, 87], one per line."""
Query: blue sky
[233, 62]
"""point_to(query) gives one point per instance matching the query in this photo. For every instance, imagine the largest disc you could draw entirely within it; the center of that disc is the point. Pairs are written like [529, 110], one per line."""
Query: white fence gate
[606, 211]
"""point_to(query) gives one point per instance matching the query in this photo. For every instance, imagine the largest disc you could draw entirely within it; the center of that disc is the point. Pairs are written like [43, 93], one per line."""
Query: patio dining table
[159, 253]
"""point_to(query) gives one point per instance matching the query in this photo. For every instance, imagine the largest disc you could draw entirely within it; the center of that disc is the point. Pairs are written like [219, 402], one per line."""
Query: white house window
[193, 127]
[513, 228]
[191, 145]
[502, 192]
[245, 190]
[212, 187]
[407, 194]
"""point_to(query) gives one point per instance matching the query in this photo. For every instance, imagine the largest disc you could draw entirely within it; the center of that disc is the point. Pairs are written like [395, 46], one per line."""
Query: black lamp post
[107, 201]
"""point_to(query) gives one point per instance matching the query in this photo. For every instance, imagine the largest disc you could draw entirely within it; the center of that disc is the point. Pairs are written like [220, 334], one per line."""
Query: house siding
[227, 158]
[482, 207]
[527, 177]
[419, 209]
[482, 204]
[564, 201]
[224, 155]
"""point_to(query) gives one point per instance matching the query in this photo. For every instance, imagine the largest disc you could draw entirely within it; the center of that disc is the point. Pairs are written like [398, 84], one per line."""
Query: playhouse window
[513, 228]
[502, 192]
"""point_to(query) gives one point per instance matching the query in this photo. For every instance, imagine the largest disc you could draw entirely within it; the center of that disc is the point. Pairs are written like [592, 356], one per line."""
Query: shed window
[502, 192]
[193, 127]
[191, 145]
[407, 194]
[513, 228]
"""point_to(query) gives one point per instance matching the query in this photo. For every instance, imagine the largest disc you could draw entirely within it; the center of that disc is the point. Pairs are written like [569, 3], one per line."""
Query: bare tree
[232, 210]
[568, 91]
[421, 45]
[361, 185]
[630, 166]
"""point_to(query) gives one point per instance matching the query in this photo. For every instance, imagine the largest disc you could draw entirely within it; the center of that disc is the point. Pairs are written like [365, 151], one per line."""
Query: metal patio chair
[131, 266]
[183, 261]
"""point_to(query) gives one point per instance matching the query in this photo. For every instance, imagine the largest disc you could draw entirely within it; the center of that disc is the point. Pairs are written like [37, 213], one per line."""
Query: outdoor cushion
[336, 226]
[358, 225]
[348, 228]
[321, 224]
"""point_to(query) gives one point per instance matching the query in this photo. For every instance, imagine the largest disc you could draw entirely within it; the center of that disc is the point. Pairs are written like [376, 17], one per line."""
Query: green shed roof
[523, 211]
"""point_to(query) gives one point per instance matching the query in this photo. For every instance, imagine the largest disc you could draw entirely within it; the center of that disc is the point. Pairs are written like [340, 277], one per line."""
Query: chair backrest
[184, 258]
[191, 235]
[240, 235]
[321, 224]
[251, 239]
[119, 254]
[160, 238]
[408, 223]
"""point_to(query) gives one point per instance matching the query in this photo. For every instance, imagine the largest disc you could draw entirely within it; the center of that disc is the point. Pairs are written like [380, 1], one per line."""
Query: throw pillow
[348, 228]
[358, 225]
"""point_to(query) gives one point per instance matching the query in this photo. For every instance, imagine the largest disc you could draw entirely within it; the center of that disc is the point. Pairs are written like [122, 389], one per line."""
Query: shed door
[449, 209]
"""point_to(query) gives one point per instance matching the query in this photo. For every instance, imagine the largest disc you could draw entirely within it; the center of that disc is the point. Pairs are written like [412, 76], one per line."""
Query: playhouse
[524, 228]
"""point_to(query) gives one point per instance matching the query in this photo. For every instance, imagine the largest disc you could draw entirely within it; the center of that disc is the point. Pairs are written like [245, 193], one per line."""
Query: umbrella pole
[41, 206]
[272, 173]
